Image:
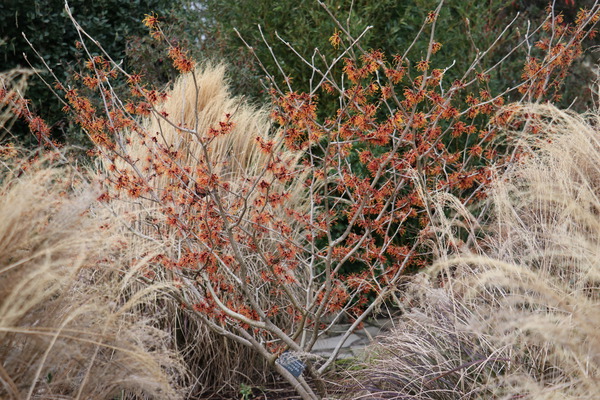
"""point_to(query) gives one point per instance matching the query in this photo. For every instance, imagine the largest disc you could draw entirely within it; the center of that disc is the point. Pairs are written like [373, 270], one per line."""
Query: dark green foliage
[465, 27]
[306, 26]
[206, 29]
[112, 22]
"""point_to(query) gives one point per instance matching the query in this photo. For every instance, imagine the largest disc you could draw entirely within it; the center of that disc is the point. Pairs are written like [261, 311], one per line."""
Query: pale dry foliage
[197, 103]
[547, 241]
[519, 317]
[69, 326]
[430, 354]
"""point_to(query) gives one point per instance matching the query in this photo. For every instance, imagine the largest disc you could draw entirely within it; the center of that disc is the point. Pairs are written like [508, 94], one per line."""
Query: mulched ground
[273, 391]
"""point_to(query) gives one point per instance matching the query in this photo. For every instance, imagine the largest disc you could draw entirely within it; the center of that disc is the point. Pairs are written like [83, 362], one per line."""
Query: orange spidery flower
[350, 70]
[386, 92]
[335, 39]
[476, 151]
[458, 129]
[372, 60]
[397, 119]
[90, 82]
[266, 146]
[422, 65]
[436, 75]
[134, 79]
[156, 35]
[419, 120]
[39, 127]
[483, 77]
[327, 87]
[180, 60]
[431, 17]
[151, 21]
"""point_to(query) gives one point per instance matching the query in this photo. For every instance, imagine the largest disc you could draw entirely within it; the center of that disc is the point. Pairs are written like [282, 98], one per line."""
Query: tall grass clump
[68, 322]
[432, 352]
[546, 238]
[526, 298]
[202, 130]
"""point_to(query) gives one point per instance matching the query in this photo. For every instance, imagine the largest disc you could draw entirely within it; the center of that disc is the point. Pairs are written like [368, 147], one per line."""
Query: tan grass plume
[68, 327]
[517, 316]
[197, 103]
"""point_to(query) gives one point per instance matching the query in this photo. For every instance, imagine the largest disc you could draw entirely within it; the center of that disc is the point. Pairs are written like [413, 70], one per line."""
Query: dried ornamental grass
[67, 323]
[518, 318]
[198, 106]
[547, 247]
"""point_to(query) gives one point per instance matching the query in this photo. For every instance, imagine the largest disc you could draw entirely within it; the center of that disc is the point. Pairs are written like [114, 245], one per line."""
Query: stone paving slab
[355, 343]
[330, 343]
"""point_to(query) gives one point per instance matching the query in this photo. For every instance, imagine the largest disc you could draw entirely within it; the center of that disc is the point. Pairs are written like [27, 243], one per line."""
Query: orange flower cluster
[181, 61]
[396, 136]
[401, 133]
[543, 75]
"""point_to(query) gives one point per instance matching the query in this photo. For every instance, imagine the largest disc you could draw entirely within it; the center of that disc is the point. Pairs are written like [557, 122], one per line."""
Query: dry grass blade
[198, 104]
[430, 354]
[66, 327]
[526, 304]
[547, 237]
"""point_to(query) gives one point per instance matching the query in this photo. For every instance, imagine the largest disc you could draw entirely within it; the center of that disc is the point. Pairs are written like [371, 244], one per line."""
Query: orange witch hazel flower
[431, 17]
[335, 39]
[422, 65]
[134, 79]
[151, 21]
[181, 60]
